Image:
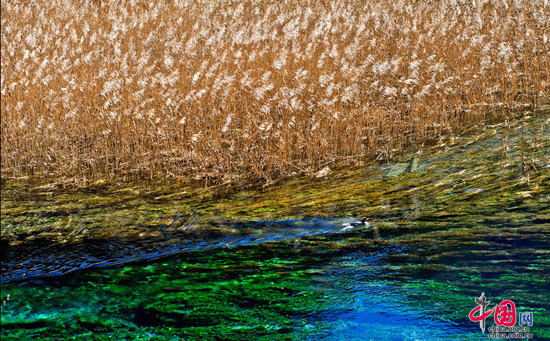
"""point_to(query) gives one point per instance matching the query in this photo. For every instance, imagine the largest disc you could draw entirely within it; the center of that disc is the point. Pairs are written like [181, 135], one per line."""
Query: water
[284, 263]
[178, 236]
[355, 285]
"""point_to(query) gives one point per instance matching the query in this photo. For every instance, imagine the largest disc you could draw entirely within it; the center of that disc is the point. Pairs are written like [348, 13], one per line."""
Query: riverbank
[509, 158]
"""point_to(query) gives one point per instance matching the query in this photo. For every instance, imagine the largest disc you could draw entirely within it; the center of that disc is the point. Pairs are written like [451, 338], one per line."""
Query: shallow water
[284, 263]
[183, 234]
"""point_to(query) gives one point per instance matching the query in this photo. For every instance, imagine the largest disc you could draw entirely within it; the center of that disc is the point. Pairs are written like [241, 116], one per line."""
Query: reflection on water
[462, 224]
[176, 237]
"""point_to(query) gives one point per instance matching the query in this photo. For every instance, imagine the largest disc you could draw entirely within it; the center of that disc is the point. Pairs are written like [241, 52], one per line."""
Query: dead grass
[249, 90]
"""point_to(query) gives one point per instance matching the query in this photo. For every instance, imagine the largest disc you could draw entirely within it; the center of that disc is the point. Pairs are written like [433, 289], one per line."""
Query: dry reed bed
[255, 89]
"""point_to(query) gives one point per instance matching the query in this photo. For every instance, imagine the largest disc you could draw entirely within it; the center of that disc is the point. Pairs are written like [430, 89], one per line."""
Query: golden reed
[255, 90]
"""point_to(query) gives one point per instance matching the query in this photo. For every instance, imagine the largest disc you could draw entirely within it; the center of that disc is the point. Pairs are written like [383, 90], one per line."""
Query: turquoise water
[287, 264]
[360, 284]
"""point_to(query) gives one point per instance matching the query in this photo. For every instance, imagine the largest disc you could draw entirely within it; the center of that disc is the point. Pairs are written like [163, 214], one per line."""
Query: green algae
[191, 299]
[259, 292]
